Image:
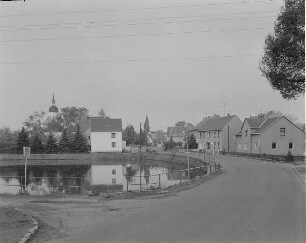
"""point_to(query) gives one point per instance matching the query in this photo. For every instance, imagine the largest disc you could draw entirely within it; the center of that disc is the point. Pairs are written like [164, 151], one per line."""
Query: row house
[217, 133]
[272, 135]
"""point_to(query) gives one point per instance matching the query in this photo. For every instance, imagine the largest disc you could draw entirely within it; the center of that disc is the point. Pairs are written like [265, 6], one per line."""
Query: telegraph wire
[99, 25]
[135, 9]
[133, 35]
[131, 60]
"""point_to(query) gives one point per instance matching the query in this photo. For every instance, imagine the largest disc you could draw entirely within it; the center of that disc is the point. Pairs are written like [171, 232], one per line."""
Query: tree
[273, 113]
[8, 140]
[34, 123]
[192, 143]
[67, 118]
[72, 116]
[283, 62]
[102, 113]
[146, 128]
[180, 124]
[37, 145]
[129, 134]
[64, 144]
[51, 146]
[79, 144]
[23, 140]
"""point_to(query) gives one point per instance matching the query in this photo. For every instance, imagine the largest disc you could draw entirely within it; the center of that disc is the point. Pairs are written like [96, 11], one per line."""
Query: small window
[282, 131]
[113, 135]
[290, 145]
[113, 144]
[255, 145]
[209, 134]
[246, 133]
[88, 137]
[273, 145]
[113, 172]
[239, 146]
[245, 147]
[208, 145]
[114, 181]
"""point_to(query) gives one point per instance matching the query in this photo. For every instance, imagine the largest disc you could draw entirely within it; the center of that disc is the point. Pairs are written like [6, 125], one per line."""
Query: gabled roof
[267, 122]
[215, 123]
[255, 122]
[100, 124]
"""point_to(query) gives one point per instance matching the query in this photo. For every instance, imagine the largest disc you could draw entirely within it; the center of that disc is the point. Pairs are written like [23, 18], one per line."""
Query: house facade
[217, 133]
[103, 134]
[273, 136]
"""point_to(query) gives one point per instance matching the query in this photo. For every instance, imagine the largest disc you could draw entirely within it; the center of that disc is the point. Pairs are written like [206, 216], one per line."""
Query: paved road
[251, 201]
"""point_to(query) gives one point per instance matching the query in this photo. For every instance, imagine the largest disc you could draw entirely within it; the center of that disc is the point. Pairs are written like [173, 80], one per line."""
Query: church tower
[53, 110]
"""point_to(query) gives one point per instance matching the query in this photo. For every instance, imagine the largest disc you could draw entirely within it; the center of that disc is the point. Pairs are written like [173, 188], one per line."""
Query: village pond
[93, 179]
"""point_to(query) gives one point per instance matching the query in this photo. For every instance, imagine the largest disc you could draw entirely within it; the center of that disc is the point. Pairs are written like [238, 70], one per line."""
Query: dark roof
[239, 133]
[199, 125]
[176, 131]
[266, 124]
[215, 123]
[100, 124]
[255, 122]
[53, 108]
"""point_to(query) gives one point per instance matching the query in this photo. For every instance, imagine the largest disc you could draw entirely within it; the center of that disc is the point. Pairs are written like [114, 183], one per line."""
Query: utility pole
[140, 137]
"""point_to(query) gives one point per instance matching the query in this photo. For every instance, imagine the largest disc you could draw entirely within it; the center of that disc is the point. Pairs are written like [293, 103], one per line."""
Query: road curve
[251, 201]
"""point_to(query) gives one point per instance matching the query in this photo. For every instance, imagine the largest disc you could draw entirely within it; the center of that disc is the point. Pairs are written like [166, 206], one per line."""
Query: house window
[282, 131]
[209, 134]
[203, 133]
[218, 145]
[88, 137]
[239, 146]
[274, 145]
[114, 181]
[218, 134]
[208, 145]
[113, 172]
[255, 145]
[290, 145]
[113, 144]
[113, 135]
[246, 133]
[245, 147]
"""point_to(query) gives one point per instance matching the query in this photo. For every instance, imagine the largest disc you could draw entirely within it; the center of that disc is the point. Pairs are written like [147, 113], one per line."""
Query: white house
[103, 134]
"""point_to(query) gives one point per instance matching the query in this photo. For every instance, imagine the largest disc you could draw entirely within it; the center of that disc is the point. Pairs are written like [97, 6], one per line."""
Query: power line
[131, 60]
[133, 35]
[134, 9]
[111, 23]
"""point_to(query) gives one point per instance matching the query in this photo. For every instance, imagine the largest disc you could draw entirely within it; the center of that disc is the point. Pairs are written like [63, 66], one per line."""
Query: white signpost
[26, 154]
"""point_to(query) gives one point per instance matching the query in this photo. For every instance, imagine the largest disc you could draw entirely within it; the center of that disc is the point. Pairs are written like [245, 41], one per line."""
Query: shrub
[289, 157]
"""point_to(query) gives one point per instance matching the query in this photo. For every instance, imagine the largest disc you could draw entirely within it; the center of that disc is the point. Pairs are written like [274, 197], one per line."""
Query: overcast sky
[169, 60]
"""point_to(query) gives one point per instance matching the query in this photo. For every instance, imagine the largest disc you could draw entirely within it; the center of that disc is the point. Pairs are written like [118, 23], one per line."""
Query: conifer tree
[37, 145]
[64, 144]
[51, 146]
[79, 144]
[23, 140]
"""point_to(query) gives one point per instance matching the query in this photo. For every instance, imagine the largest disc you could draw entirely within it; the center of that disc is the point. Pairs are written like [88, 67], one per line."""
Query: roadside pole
[188, 160]
[26, 154]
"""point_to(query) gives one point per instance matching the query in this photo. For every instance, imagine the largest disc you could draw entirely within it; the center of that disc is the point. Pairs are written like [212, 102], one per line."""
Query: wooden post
[140, 180]
[180, 177]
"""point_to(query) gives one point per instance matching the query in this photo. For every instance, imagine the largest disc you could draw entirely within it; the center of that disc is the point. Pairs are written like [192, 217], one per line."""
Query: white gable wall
[102, 142]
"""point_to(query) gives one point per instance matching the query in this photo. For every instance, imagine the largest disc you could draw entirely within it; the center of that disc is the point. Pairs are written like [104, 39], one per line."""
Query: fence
[166, 179]
[41, 185]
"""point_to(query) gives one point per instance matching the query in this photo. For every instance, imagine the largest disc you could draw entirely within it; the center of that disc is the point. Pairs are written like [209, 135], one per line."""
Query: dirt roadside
[60, 216]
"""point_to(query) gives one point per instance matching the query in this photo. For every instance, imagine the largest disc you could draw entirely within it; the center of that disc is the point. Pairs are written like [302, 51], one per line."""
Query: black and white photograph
[152, 121]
